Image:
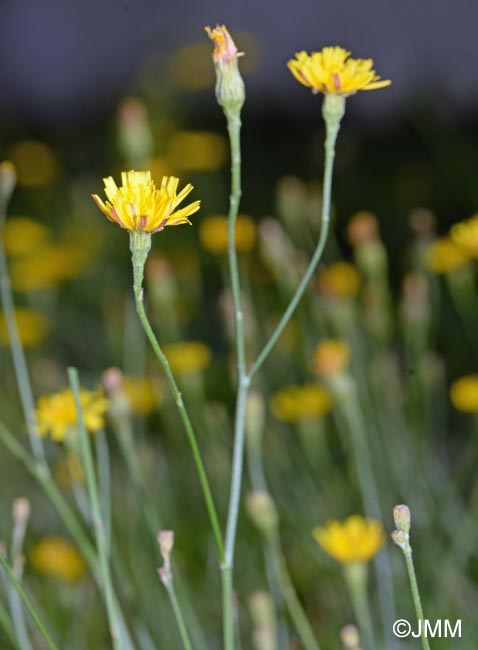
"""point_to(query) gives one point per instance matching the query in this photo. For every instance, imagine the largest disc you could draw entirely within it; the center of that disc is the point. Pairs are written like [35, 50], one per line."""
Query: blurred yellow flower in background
[47, 267]
[340, 280]
[297, 403]
[142, 394]
[353, 541]
[444, 256]
[57, 557]
[193, 151]
[331, 357]
[464, 394]
[56, 414]
[188, 357]
[32, 327]
[22, 236]
[190, 66]
[332, 71]
[213, 234]
[36, 163]
[465, 235]
[139, 205]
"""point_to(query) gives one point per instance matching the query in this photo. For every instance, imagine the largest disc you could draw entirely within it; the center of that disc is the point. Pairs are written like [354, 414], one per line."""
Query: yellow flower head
[196, 151]
[464, 394]
[332, 71]
[56, 414]
[48, 266]
[298, 403]
[56, 557]
[340, 280]
[31, 325]
[23, 235]
[445, 256]
[187, 358]
[353, 541]
[36, 163]
[141, 393]
[331, 357]
[213, 234]
[465, 235]
[225, 49]
[139, 205]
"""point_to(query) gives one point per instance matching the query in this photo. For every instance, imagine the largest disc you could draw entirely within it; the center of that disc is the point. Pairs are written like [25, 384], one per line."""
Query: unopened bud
[331, 357]
[350, 637]
[261, 509]
[402, 518]
[261, 607]
[230, 91]
[166, 543]
[112, 381]
[164, 576]
[120, 407]
[401, 539]
[135, 137]
[21, 511]
[8, 180]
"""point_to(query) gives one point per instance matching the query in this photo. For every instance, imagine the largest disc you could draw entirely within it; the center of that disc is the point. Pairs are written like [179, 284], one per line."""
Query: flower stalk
[140, 244]
[333, 109]
[165, 573]
[401, 537]
[7, 186]
[51, 645]
[230, 95]
[119, 643]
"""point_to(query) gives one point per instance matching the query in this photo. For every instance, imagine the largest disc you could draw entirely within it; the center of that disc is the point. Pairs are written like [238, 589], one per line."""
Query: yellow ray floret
[333, 71]
[139, 205]
[56, 414]
[353, 541]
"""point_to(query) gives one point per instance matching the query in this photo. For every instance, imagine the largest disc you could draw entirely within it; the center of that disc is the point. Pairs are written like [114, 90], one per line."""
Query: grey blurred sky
[67, 57]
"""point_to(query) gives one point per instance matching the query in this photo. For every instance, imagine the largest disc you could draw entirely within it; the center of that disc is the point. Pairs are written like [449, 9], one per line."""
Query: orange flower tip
[225, 49]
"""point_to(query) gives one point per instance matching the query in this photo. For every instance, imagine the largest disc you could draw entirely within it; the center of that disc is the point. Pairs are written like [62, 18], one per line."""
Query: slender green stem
[237, 466]
[28, 604]
[344, 390]
[140, 249]
[45, 480]
[234, 130]
[356, 578]
[104, 483]
[294, 606]
[332, 129]
[178, 615]
[98, 525]
[18, 355]
[6, 625]
[227, 607]
[42, 474]
[16, 558]
[233, 513]
[417, 603]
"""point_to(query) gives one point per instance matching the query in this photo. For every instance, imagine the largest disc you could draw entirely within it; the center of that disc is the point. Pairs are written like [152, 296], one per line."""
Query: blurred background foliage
[406, 307]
